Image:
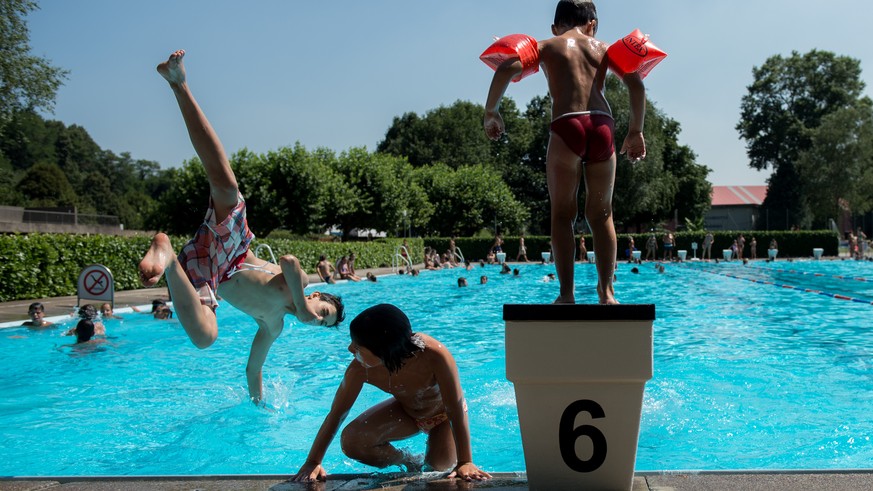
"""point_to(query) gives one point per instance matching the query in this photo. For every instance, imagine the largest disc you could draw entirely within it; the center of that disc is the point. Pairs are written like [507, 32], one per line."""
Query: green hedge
[791, 243]
[48, 265]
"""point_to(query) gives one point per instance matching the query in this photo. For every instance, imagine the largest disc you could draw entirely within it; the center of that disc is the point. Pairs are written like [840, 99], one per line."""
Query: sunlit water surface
[747, 375]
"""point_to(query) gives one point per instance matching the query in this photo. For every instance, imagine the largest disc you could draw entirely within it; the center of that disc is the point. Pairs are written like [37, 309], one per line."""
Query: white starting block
[579, 372]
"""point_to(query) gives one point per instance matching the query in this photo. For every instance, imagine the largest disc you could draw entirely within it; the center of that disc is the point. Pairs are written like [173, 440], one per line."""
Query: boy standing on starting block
[581, 143]
[218, 257]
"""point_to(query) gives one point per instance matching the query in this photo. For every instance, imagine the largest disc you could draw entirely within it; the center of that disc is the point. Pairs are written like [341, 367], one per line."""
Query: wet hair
[572, 13]
[157, 303]
[336, 302]
[84, 331]
[88, 312]
[322, 257]
[36, 306]
[385, 330]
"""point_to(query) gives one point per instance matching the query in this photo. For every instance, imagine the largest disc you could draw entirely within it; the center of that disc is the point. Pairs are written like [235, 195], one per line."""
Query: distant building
[735, 207]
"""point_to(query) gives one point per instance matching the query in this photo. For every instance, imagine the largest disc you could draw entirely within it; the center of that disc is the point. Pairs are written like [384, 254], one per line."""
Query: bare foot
[606, 297]
[156, 260]
[173, 70]
[561, 300]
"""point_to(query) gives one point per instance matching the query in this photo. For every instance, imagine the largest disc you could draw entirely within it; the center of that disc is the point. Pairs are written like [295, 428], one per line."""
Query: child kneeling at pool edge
[426, 396]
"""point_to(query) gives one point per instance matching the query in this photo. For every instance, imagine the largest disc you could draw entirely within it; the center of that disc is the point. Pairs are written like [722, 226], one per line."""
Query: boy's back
[575, 66]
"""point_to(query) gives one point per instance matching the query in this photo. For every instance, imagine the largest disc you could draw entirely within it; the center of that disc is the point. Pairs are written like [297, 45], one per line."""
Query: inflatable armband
[519, 46]
[634, 53]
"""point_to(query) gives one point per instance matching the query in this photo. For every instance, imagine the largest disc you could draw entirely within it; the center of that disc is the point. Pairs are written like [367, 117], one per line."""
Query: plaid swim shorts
[215, 249]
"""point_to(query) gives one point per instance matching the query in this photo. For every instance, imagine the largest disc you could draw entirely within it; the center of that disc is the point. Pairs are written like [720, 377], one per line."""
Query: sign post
[96, 283]
[579, 373]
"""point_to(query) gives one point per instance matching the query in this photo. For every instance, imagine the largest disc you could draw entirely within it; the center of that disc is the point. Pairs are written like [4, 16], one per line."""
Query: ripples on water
[747, 376]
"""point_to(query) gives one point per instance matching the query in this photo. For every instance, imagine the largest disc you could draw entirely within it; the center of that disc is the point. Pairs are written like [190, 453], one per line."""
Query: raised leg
[222, 183]
[197, 319]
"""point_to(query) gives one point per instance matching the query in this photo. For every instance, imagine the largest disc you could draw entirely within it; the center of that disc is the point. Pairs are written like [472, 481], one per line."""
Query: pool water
[747, 375]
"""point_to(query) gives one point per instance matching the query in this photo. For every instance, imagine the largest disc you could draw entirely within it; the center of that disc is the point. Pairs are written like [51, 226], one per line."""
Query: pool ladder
[401, 256]
[269, 249]
[459, 255]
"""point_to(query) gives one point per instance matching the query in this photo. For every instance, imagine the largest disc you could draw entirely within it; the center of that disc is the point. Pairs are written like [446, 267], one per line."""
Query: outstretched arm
[345, 397]
[502, 76]
[634, 143]
[261, 345]
[449, 381]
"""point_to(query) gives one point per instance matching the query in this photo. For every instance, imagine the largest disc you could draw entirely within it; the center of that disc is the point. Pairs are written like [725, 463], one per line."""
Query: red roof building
[735, 207]
[738, 195]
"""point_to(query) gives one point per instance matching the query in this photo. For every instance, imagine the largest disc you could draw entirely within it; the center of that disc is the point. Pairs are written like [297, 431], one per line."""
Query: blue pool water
[747, 375]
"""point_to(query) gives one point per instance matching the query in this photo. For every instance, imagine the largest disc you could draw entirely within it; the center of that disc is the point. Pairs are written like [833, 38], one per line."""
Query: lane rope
[794, 271]
[838, 296]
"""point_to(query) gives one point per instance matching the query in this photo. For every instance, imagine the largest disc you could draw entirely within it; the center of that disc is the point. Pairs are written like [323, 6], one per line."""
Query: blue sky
[334, 74]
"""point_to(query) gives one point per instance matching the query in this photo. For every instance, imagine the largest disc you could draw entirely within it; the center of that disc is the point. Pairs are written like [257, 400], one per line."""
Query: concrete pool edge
[789, 479]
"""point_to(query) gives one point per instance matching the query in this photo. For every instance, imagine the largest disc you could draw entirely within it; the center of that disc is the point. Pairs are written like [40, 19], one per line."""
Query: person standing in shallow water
[218, 259]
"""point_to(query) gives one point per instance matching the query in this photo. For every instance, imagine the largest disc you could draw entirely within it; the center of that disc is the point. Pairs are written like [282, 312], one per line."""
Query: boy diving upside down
[218, 258]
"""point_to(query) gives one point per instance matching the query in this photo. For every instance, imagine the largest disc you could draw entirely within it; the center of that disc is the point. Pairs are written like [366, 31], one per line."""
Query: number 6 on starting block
[579, 372]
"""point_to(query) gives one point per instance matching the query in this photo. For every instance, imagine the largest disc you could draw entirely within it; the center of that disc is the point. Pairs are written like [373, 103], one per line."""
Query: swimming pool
[747, 375]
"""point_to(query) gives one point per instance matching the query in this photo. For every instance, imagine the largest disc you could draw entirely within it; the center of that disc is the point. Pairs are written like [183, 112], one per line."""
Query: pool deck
[706, 481]
[509, 481]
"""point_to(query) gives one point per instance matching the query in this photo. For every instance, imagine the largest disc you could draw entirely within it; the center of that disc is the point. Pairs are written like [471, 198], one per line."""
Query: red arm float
[634, 53]
[519, 46]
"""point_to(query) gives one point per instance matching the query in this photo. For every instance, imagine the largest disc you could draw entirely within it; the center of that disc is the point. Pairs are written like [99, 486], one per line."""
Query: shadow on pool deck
[708, 481]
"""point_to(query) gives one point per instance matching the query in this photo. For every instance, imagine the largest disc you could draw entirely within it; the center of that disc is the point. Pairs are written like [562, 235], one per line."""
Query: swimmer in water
[426, 397]
[218, 259]
[36, 311]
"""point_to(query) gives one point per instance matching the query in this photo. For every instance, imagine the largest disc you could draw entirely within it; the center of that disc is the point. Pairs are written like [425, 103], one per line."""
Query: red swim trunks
[589, 134]
[215, 249]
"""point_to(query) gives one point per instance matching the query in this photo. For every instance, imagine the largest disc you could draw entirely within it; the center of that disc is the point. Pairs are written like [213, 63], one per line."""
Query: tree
[182, 206]
[45, 185]
[27, 82]
[381, 193]
[839, 163]
[452, 135]
[288, 188]
[788, 99]
[468, 199]
[28, 139]
[668, 180]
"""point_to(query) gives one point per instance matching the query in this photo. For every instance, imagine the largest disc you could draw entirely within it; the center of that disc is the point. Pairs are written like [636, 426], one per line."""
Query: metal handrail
[398, 255]
[269, 249]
